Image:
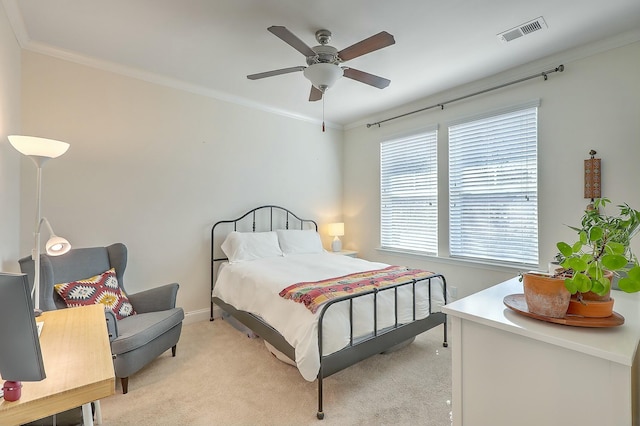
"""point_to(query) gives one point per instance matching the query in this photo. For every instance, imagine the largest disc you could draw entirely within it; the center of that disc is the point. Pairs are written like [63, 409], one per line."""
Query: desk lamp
[40, 150]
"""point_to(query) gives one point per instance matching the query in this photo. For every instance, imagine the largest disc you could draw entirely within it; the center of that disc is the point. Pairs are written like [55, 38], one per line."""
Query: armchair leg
[173, 350]
[125, 384]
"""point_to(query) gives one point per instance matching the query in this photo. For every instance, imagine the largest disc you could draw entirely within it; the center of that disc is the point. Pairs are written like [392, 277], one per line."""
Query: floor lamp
[40, 150]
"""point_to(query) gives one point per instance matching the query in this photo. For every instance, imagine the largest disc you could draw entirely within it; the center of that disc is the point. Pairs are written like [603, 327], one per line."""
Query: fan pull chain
[323, 113]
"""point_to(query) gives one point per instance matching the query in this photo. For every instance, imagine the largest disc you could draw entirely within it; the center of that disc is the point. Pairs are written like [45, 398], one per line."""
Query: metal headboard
[259, 219]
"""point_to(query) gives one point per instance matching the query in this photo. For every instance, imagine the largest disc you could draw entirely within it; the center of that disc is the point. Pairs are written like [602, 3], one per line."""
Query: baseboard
[201, 315]
[196, 316]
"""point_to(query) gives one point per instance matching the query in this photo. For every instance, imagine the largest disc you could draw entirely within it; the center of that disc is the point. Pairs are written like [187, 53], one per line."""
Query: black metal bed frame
[355, 351]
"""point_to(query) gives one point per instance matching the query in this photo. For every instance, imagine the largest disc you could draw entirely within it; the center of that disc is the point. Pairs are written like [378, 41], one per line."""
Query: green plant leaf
[629, 285]
[606, 284]
[571, 285]
[576, 264]
[614, 262]
[600, 286]
[595, 271]
[595, 233]
[565, 249]
[634, 273]
[615, 248]
[583, 238]
[577, 246]
[583, 282]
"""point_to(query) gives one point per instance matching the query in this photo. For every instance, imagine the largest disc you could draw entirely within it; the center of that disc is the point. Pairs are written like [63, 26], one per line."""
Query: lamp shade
[38, 147]
[336, 229]
[57, 246]
[323, 75]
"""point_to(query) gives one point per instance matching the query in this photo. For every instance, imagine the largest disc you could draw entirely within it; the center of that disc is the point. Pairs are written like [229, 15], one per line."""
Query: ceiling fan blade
[366, 78]
[275, 72]
[368, 45]
[315, 94]
[288, 37]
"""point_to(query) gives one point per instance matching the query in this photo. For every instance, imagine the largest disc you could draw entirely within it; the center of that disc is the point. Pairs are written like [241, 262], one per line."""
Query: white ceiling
[209, 46]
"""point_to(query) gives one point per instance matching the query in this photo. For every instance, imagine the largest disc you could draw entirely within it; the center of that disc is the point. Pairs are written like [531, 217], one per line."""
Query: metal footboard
[379, 340]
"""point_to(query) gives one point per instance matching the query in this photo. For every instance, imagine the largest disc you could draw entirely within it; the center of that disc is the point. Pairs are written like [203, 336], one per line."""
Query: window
[409, 193]
[493, 196]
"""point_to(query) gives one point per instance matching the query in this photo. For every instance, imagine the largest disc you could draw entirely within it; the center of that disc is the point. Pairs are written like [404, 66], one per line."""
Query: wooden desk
[508, 369]
[77, 361]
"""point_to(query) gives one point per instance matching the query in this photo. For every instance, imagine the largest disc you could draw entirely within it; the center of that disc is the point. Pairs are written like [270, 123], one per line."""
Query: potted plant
[546, 294]
[601, 251]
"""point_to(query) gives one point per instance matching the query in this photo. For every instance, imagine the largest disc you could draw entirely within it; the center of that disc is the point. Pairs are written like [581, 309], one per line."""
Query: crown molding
[162, 80]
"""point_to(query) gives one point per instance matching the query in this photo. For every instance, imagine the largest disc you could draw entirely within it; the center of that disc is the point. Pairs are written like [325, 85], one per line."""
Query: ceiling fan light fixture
[323, 75]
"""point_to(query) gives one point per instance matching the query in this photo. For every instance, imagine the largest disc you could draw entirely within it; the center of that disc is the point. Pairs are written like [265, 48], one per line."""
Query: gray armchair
[135, 340]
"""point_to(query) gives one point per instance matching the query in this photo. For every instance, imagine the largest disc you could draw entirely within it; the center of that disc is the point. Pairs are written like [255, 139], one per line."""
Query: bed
[266, 260]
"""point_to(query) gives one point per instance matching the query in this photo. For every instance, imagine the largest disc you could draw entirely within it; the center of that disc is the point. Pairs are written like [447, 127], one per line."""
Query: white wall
[593, 104]
[155, 167]
[9, 157]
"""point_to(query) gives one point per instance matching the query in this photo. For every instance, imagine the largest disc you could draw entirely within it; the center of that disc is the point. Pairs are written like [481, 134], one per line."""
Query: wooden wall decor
[592, 177]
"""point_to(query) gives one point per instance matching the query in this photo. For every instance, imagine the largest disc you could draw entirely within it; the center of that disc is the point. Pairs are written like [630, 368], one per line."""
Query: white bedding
[253, 286]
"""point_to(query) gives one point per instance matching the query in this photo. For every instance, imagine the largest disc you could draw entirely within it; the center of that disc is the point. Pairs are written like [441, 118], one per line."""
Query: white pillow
[243, 246]
[297, 241]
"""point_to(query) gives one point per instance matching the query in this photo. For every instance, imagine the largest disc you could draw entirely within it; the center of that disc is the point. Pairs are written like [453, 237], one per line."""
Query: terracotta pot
[546, 296]
[591, 308]
[593, 296]
[592, 305]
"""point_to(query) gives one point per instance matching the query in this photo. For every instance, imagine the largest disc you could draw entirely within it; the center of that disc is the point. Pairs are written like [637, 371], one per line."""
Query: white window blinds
[409, 193]
[493, 194]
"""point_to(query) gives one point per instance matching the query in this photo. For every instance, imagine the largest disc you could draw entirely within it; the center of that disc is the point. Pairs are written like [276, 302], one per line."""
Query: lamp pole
[60, 246]
[35, 253]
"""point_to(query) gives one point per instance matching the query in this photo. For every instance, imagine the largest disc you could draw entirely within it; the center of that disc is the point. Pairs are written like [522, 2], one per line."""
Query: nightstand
[350, 253]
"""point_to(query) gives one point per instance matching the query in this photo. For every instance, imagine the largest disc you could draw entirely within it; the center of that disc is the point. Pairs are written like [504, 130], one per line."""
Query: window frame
[529, 243]
[396, 238]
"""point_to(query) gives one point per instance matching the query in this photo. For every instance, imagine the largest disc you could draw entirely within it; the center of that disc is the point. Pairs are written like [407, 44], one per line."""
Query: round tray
[517, 303]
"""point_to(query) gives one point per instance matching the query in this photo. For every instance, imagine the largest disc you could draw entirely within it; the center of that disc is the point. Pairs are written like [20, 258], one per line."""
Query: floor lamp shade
[32, 146]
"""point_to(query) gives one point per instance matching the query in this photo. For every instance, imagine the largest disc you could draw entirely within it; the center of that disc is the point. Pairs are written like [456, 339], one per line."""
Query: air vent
[524, 29]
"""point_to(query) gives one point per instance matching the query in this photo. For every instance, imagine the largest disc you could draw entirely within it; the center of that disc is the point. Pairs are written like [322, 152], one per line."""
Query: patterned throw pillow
[102, 288]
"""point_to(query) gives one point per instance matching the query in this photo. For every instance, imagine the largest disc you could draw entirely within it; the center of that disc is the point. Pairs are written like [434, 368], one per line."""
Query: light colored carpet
[219, 376]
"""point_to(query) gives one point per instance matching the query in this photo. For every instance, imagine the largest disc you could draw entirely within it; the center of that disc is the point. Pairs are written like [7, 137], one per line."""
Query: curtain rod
[544, 74]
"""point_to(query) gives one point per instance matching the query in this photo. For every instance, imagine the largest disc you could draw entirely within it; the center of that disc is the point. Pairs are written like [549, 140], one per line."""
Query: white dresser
[508, 369]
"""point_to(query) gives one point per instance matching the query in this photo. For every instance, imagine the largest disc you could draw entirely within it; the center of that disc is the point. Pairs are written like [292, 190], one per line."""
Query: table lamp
[336, 230]
[40, 150]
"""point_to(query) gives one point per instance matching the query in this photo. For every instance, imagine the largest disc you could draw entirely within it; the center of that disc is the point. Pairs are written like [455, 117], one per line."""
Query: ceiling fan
[324, 61]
